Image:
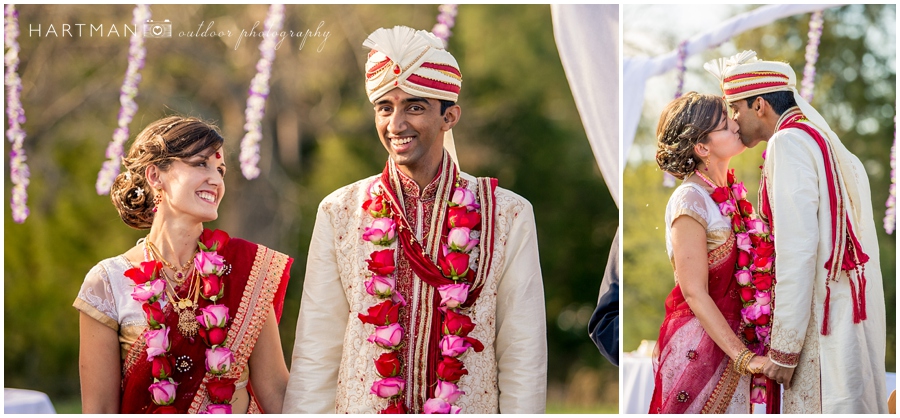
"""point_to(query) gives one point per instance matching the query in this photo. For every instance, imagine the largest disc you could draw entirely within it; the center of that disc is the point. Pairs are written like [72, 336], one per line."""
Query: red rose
[477, 346]
[451, 369]
[382, 314]
[744, 259]
[394, 408]
[376, 206]
[762, 320]
[457, 324]
[720, 194]
[162, 367]
[762, 281]
[154, 314]
[755, 240]
[730, 177]
[213, 336]
[211, 286]
[381, 262]
[220, 390]
[747, 294]
[460, 217]
[214, 240]
[388, 364]
[737, 224]
[454, 264]
[745, 207]
[750, 334]
[147, 272]
[765, 249]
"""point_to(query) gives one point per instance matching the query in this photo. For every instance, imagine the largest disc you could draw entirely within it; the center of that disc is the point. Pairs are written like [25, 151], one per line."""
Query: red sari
[258, 280]
[700, 383]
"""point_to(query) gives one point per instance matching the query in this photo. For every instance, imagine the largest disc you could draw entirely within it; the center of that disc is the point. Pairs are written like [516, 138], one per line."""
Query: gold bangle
[739, 361]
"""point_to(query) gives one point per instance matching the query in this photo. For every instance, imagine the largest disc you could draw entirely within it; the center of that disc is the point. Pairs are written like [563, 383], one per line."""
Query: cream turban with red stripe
[743, 75]
[415, 61]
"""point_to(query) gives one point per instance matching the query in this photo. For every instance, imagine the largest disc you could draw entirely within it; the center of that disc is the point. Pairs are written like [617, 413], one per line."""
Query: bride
[701, 364]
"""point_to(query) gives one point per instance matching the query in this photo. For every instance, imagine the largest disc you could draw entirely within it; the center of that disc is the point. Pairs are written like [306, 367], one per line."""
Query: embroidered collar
[411, 189]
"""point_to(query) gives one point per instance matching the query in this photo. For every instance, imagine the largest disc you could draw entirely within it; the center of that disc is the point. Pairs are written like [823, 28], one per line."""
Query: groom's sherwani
[847, 363]
[332, 368]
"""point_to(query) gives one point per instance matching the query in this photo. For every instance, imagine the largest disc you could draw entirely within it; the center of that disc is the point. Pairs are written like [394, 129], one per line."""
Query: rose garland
[754, 271]
[890, 214]
[385, 315]
[150, 290]
[18, 170]
[116, 147]
[259, 91]
[455, 264]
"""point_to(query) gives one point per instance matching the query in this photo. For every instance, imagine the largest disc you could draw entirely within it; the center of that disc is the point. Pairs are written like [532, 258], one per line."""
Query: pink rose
[149, 292]
[447, 391]
[743, 277]
[157, 342]
[209, 262]
[218, 360]
[387, 387]
[388, 336]
[764, 309]
[163, 392]
[217, 408]
[740, 192]
[436, 406]
[382, 232]
[757, 226]
[727, 208]
[743, 241]
[453, 345]
[463, 197]
[213, 316]
[763, 298]
[758, 394]
[381, 286]
[762, 333]
[751, 312]
[453, 295]
[458, 239]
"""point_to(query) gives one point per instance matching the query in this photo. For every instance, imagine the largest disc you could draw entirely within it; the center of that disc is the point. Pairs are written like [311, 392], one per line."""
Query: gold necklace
[180, 273]
[185, 307]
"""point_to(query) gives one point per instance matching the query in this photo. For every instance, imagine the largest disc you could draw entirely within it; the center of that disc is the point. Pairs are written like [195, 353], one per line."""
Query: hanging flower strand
[259, 91]
[890, 215]
[446, 19]
[681, 68]
[18, 170]
[136, 55]
[812, 55]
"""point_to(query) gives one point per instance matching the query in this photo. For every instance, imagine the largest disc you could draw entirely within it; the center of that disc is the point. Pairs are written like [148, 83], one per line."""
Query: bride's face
[725, 141]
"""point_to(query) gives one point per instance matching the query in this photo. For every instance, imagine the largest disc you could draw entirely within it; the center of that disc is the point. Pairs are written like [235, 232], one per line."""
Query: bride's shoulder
[688, 191]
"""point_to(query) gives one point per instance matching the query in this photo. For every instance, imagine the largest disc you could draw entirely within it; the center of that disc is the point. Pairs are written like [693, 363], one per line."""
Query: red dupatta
[424, 258]
[258, 279]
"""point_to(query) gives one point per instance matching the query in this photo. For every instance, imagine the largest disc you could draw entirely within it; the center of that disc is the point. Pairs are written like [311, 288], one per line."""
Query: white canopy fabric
[637, 70]
[587, 37]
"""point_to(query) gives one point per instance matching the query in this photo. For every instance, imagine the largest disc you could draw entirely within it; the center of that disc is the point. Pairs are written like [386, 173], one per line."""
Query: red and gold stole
[258, 280]
[421, 256]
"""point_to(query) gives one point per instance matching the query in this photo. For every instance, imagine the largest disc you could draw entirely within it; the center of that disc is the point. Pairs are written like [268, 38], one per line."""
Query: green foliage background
[519, 124]
[855, 91]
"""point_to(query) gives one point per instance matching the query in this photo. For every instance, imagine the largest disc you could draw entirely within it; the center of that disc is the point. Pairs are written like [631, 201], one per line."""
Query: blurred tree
[854, 91]
[519, 124]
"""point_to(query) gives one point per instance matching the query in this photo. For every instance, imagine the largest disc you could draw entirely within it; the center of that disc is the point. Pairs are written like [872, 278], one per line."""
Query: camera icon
[158, 29]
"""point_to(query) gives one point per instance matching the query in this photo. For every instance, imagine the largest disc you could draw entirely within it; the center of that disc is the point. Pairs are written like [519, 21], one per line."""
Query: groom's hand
[779, 374]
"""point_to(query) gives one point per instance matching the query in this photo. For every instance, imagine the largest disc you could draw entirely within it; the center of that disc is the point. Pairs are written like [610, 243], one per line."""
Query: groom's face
[752, 128]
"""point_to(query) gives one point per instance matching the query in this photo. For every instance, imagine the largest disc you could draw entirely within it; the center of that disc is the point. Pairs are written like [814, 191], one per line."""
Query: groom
[828, 333]
[423, 288]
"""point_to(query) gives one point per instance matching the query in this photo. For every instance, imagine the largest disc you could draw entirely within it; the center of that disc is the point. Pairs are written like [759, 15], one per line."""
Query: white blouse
[693, 200]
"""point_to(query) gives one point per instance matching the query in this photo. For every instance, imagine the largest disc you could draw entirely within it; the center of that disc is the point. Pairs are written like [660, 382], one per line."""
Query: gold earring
[157, 199]
[707, 165]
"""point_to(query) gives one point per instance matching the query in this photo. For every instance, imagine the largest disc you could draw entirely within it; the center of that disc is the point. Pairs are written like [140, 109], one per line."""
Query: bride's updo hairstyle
[160, 143]
[685, 122]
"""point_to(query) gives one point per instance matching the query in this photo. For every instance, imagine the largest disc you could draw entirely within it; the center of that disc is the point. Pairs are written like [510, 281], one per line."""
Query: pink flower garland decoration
[890, 214]
[116, 148]
[754, 271]
[18, 170]
[385, 316]
[259, 91]
[681, 68]
[812, 55]
[446, 19]
[150, 290]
